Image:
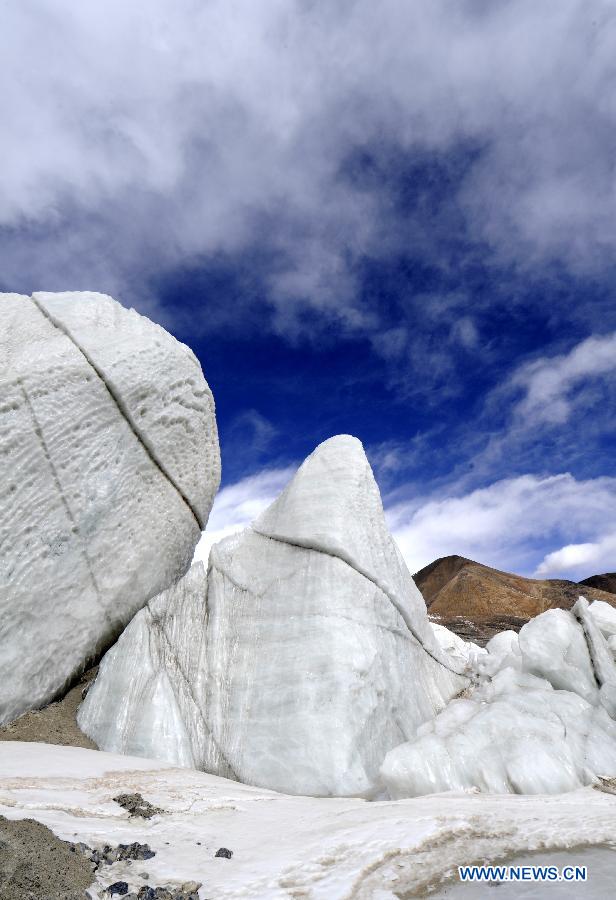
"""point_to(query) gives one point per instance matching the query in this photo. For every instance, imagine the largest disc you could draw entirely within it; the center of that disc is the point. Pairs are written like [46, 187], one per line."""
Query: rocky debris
[56, 723]
[108, 855]
[301, 658]
[606, 785]
[455, 587]
[481, 631]
[135, 805]
[187, 891]
[291, 846]
[222, 851]
[109, 463]
[36, 865]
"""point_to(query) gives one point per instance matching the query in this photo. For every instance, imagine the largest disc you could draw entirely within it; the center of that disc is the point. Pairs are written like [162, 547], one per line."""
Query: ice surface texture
[109, 463]
[605, 617]
[303, 660]
[465, 653]
[515, 734]
[540, 721]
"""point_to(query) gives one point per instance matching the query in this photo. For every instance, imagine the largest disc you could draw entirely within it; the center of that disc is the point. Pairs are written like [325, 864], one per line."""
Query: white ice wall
[91, 524]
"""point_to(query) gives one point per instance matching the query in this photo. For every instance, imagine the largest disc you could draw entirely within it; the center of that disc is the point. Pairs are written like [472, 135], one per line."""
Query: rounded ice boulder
[109, 463]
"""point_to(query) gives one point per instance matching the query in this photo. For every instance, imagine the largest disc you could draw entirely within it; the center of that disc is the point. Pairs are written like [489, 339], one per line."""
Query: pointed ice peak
[332, 504]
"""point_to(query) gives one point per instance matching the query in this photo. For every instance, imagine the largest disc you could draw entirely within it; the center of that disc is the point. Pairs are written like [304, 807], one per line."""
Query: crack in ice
[158, 624]
[122, 409]
[375, 581]
[69, 512]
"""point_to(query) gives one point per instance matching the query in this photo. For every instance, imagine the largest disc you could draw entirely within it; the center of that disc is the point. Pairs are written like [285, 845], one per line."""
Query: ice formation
[146, 699]
[502, 650]
[539, 722]
[465, 653]
[108, 464]
[604, 616]
[568, 649]
[514, 734]
[306, 657]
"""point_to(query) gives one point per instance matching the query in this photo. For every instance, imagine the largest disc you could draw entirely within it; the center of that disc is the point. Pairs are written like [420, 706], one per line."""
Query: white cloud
[514, 524]
[581, 559]
[144, 135]
[549, 383]
[511, 524]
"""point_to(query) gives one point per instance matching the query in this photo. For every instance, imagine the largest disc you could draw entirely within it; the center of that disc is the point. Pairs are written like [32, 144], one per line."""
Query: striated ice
[601, 658]
[308, 657]
[604, 616]
[143, 699]
[333, 506]
[158, 383]
[514, 734]
[97, 512]
[553, 646]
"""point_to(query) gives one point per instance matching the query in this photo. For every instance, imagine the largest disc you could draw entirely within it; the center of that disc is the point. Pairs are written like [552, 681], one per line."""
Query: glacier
[604, 616]
[539, 720]
[466, 654]
[109, 463]
[513, 734]
[301, 657]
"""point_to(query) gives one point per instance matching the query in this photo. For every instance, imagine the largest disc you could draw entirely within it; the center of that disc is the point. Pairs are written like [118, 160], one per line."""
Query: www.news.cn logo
[522, 873]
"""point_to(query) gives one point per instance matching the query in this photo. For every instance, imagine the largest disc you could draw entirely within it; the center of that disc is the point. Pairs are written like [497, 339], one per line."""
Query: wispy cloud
[549, 383]
[511, 524]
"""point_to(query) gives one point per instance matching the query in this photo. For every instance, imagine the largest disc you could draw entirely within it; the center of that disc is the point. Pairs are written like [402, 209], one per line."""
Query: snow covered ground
[287, 846]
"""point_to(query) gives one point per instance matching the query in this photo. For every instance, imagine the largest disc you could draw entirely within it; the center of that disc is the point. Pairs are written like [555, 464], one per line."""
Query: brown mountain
[605, 582]
[477, 601]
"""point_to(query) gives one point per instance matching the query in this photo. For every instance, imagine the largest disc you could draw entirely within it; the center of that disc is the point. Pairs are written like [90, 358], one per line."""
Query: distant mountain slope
[606, 582]
[454, 586]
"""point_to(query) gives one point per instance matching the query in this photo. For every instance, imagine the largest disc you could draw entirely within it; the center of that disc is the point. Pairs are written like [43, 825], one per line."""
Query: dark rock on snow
[135, 805]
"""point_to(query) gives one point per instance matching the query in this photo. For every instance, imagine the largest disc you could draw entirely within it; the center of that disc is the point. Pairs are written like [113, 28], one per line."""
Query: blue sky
[395, 220]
